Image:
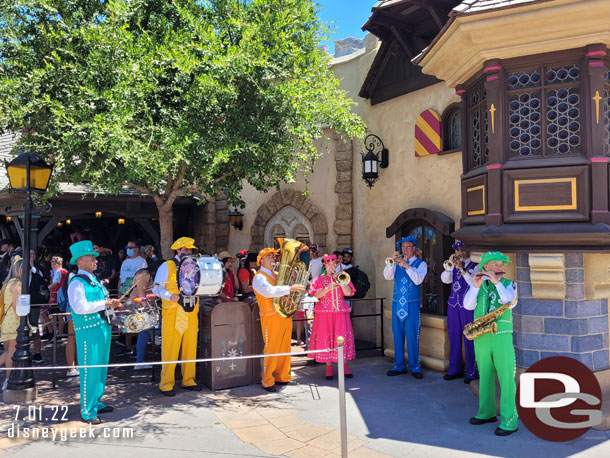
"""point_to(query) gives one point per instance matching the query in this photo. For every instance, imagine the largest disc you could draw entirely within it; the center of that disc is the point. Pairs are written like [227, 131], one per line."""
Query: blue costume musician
[460, 278]
[408, 273]
[88, 297]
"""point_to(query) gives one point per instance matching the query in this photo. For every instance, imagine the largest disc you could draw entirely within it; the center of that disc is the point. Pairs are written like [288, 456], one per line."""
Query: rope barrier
[160, 363]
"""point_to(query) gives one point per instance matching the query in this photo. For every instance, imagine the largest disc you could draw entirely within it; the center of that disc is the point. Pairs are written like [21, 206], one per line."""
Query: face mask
[130, 252]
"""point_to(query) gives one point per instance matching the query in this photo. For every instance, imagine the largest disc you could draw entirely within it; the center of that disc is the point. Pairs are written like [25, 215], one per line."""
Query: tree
[169, 97]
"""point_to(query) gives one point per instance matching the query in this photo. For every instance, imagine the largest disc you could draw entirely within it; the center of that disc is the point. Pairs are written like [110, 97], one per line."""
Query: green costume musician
[495, 352]
[87, 297]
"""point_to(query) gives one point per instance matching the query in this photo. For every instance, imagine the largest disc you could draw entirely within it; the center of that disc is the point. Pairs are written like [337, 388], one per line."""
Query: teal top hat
[82, 248]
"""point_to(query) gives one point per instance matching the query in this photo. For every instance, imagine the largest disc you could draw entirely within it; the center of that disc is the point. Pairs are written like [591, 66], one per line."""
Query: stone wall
[571, 325]
[343, 188]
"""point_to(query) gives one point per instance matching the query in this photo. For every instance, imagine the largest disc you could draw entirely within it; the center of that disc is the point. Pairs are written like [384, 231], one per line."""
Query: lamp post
[29, 173]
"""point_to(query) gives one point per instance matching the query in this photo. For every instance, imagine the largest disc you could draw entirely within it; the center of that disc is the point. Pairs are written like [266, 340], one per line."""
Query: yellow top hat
[184, 242]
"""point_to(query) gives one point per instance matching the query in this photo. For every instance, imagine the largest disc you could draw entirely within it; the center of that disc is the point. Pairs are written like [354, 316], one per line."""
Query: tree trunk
[166, 225]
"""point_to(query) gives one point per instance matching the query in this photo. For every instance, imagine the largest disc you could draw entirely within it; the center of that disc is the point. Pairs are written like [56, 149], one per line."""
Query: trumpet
[389, 261]
[343, 278]
[454, 261]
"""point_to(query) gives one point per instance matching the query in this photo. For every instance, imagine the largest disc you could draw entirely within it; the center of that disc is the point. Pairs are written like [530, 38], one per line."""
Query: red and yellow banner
[428, 134]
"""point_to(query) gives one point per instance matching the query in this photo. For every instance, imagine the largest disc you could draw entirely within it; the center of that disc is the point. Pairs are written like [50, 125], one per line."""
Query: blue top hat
[82, 248]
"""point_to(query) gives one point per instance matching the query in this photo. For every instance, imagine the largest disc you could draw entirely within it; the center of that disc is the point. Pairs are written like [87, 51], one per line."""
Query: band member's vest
[94, 291]
[171, 284]
[488, 300]
[265, 304]
[405, 291]
[459, 286]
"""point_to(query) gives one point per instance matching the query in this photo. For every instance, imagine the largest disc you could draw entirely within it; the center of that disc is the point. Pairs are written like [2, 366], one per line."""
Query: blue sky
[347, 16]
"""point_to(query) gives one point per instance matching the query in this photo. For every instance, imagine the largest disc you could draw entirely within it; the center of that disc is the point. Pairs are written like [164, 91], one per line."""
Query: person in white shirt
[180, 322]
[132, 263]
[460, 279]
[315, 264]
[276, 330]
[88, 297]
[494, 351]
[408, 273]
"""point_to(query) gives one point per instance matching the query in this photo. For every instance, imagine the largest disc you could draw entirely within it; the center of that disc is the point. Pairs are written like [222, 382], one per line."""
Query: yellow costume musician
[179, 327]
[276, 330]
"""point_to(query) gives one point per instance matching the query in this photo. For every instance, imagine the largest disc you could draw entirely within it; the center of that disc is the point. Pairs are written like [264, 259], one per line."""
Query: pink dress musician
[331, 318]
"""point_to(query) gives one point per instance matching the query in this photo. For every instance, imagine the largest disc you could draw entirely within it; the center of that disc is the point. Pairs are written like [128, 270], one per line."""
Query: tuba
[291, 271]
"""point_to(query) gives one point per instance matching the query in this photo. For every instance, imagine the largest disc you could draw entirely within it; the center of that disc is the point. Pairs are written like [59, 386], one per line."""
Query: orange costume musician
[277, 331]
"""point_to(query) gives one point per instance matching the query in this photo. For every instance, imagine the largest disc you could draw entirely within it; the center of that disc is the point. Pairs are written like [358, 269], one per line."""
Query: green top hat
[82, 248]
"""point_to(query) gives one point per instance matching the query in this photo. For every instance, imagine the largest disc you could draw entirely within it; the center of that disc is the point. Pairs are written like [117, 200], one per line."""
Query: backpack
[62, 295]
[39, 289]
[360, 280]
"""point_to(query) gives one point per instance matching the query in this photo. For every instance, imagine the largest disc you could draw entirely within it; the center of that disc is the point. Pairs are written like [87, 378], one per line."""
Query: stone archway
[303, 206]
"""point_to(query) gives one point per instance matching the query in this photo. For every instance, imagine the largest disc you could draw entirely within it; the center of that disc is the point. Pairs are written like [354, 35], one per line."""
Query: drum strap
[186, 302]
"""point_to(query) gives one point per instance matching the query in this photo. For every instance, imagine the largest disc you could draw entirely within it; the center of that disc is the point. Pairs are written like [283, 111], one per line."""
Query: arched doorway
[432, 230]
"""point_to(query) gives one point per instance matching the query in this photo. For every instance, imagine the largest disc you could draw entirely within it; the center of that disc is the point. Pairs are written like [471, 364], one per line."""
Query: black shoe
[453, 376]
[350, 375]
[93, 421]
[329, 377]
[192, 388]
[504, 432]
[284, 383]
[37, 358]
[125, 352]
[417, 375]
[106, 409]
[467, 380]
[392, 372]
[271, 388]
[169, 393]
[48, 336]
[482, 421]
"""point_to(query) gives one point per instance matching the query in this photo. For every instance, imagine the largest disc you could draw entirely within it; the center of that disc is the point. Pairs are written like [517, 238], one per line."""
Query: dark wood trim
[446, 116]
[537, 237]
[532, 163]
[583, 199]
[434, 218]
[449, 151]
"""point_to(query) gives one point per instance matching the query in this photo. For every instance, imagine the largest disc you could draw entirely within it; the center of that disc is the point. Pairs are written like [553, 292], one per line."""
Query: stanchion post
[342, 414]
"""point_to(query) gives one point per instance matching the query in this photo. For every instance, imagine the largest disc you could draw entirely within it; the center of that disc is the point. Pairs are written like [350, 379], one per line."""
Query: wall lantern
[60, 224]
[68, 221]
[98, 214]
[9, 219]
[121, 221]
[374, 157]
[236, 218]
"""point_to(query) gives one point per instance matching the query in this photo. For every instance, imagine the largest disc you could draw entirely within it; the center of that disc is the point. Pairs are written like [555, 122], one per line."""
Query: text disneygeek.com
[57, 433]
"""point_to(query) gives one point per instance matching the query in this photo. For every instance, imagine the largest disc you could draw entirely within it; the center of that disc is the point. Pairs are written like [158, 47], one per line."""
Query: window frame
[448, 113]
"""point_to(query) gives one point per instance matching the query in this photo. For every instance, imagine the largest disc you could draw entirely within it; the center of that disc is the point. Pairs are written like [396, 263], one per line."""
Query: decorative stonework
[289, 219]
[310, 216]
[343, 188]
[547, 275]
[222, 223]
[204, 227]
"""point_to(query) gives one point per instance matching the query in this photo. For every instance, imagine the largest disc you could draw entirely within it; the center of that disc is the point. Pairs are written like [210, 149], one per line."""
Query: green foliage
[169, 97]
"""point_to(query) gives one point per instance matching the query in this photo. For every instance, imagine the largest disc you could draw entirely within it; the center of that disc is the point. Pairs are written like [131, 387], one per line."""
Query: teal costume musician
[87, 298]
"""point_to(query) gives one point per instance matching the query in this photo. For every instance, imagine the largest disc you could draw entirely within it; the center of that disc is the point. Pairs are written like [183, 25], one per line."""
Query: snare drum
[200, 276]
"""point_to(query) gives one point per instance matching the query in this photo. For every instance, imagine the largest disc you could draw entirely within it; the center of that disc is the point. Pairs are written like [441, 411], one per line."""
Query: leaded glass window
[544, 111]
[455, 130]
[478, 126]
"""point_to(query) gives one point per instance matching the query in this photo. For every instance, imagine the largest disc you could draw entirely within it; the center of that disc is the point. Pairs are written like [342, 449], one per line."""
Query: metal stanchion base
[27, 396]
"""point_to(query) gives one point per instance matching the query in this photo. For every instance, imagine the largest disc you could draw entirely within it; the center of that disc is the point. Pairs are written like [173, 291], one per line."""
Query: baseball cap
[314, 247]
[348, 251]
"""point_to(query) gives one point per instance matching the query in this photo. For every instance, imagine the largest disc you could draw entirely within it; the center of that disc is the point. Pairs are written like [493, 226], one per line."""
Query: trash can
[225, 330]
[258, 345]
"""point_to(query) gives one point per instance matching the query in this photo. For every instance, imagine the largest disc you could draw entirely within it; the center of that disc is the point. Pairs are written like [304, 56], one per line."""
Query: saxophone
[486, 323]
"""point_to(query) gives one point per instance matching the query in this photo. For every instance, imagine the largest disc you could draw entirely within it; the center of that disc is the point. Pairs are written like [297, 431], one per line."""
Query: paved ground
[397, 416]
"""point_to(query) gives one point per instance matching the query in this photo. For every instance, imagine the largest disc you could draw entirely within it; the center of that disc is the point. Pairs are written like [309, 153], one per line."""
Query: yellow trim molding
[532, 28]
[477, 212]
[531, 208]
